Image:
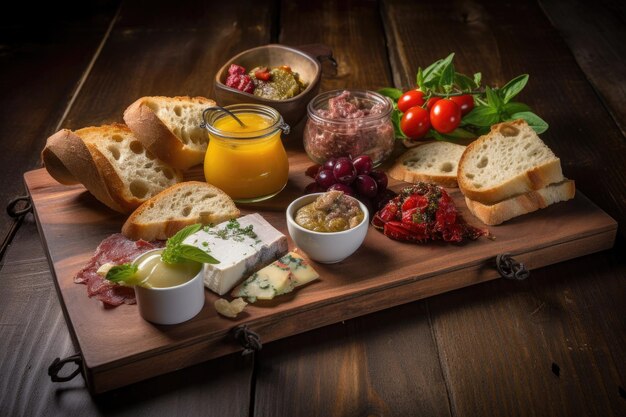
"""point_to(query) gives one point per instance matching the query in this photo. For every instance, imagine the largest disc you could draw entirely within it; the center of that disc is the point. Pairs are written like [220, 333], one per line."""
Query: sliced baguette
[526, 203]
[179, 206]
[110, 162]
[508, 161]
[170, 128]
[434, 162]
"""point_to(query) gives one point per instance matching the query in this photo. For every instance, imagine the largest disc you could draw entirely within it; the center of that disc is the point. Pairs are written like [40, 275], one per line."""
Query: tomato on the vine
[431, 102]
[465, 102]
[445, 116]
[415, 122]
[410, 99]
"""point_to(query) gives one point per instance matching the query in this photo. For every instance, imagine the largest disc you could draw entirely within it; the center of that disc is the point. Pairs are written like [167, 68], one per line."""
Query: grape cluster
[355, 177]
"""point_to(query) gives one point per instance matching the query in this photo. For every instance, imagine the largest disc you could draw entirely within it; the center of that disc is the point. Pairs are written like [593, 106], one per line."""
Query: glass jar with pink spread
[349, 123]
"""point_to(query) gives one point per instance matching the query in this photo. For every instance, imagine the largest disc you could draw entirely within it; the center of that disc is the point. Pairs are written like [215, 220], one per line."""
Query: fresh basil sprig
[176, 251]
[492, 105]
[124, 274]
[498, 107]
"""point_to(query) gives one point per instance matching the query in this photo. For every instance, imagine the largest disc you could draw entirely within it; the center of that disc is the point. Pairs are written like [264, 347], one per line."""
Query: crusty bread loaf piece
[179, 206]
[526, 203]
[170, 128]
[508, 161]
[110, 162]
[434, 162]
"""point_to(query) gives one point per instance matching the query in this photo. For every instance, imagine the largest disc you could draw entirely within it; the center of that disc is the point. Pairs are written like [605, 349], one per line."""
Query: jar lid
[352, 101]
[212, 114]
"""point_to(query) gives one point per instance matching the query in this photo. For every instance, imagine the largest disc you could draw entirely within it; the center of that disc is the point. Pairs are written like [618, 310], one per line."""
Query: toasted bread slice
[170, 128]
[526, 203]
[110, 162]
[434, 162]
[508, 161]
[179, 206]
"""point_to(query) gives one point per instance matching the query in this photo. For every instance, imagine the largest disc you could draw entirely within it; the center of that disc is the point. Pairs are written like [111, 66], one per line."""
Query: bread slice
[170, 128]
[179, 206]
[434, 162]
[508, 161]
[526, 203]
[110, 162]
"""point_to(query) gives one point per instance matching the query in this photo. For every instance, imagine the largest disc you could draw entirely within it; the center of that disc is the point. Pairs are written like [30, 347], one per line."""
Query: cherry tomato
[415, 122]
[445, 116]
[262, 74]
[465, 102]
[431, 102]
[410, 99]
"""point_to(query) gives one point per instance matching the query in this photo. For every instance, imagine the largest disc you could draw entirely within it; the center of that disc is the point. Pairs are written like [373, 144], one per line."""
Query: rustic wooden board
[120, 348]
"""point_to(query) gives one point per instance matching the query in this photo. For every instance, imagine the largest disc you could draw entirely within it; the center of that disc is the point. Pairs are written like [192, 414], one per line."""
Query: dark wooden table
[552, 345]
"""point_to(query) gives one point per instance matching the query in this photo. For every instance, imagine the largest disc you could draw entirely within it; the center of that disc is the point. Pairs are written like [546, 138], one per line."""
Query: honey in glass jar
[248, 162]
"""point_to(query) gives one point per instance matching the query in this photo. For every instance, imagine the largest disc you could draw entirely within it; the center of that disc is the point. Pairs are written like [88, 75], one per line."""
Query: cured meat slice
[115, 249]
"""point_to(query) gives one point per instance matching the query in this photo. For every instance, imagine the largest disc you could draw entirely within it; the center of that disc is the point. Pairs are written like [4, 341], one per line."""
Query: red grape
[362, 164]
[342, 187]
[325, 178]
[366, 186]
[344, 171]
[312, 171]
[329, 164]
[381, 180]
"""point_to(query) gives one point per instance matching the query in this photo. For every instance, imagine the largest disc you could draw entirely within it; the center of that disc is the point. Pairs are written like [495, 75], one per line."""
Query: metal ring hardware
[14, 212]
[248, 339]
[509, 268]
[58, 364]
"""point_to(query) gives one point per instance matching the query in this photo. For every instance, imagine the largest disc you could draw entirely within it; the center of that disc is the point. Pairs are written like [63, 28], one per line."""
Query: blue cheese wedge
[280, 277]
[242, 246]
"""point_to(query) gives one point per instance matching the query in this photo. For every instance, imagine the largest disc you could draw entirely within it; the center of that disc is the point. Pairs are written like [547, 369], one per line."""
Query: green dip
[283, 84]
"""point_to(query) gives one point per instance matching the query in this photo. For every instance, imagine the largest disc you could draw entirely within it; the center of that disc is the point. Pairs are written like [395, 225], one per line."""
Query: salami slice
[115, 249]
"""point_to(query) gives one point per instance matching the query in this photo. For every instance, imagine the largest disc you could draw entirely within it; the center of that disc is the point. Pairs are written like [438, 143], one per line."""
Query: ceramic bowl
[323, 247]
[172, 305]
[293, 109]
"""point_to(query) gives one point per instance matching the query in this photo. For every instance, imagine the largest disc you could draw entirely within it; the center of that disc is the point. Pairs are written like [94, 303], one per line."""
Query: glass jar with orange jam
[248, 162]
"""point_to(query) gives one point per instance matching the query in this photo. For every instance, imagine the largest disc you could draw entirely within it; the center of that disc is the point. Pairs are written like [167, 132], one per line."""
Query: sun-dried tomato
[424, 212]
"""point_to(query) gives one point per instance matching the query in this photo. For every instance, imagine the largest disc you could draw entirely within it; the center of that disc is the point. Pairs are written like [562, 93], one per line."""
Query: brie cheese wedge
[242, 246]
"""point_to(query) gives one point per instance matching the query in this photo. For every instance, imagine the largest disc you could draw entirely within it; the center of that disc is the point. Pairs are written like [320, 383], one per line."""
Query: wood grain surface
[594, 33]
[492, 349]
[40, 71]
[118, 347]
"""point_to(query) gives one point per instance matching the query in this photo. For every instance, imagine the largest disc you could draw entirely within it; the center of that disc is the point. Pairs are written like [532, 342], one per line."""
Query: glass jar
[349, 123]
[248, 163]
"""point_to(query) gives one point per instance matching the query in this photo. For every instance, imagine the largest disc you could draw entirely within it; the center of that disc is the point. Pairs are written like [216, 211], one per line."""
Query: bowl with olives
[328, 226]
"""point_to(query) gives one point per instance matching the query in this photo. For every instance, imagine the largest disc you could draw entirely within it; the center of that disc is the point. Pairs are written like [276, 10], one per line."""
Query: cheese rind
[278, 278]
[238, 255]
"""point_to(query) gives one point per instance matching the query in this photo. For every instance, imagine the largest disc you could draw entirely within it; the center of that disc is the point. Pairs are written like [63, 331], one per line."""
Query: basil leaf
[516, 107]
[170, 254]
[123, 273]
[392, 93]
[433, 71]
[481, 116]
[464, 82]
[477, 79]
[460, 133]
[396, 115]
[183, 234]
[513, 87]
[420, 79]
[537, 123]
[192, 253]
[493, 99]
[436, 135]
[447, 77]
